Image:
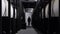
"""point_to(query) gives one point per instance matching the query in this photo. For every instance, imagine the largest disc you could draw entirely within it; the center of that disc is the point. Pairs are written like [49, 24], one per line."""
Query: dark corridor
[45, 17]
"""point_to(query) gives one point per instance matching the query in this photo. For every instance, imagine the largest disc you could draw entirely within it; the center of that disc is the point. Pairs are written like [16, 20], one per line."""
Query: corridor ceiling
[29, 4]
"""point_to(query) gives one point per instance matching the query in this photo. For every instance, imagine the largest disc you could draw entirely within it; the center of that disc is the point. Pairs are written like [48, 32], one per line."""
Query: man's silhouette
[29, 21]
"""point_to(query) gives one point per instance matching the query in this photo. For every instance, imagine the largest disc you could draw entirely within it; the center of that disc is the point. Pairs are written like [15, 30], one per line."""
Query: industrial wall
[54, 9]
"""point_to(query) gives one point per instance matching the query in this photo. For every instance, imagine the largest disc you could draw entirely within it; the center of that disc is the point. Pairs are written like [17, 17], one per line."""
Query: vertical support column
[49, 25]
[44, 18]
[8, 19]
[59, 18]
[16, 16]
[14, 23]
[59, 14]
[59, 8]
[0, 17]
[44, 14]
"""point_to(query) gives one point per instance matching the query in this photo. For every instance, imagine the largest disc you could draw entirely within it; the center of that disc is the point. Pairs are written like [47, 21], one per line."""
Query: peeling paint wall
[4, 8]
[54, 7]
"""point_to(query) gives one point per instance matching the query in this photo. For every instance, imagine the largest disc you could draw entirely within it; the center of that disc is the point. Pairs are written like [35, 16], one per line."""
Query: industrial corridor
[29, 17]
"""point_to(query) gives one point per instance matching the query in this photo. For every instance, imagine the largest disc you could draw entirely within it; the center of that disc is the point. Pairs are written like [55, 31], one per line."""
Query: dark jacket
[29, 19]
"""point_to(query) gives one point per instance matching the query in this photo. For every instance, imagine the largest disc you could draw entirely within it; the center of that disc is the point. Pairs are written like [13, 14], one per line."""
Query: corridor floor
[28, 30]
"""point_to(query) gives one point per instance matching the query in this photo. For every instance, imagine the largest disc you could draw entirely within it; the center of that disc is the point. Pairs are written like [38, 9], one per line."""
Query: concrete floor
[29, 30]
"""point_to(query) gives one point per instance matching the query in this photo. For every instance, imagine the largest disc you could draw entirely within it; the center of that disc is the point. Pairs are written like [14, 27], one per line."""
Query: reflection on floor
[29, 30]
